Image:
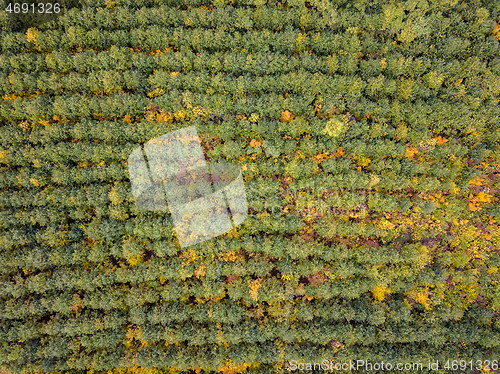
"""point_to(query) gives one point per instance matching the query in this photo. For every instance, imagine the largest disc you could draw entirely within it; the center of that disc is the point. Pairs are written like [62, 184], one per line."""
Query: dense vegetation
[368, 135]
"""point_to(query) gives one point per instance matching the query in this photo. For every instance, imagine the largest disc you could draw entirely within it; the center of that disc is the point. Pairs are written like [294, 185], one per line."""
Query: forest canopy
[367, 133]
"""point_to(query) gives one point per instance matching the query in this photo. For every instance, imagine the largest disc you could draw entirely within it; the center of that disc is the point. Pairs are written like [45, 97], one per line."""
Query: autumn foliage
[367, 135]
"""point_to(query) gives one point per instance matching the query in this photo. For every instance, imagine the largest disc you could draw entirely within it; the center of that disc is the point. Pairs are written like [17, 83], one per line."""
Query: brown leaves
[335, 344]
[319, 157]
[230, 278]
[477, 182]
[440, 140]
[77, 302]
[254, 286]
[26, 126]
[411, 152]
[255, 143]
[496, 31]
[307, 233]
[286, 116]
[43, 122]
[208, 143]
[474, 201]
[152, 110]
[58, 118]
[316, 279]
[163, 116]
[229, 256]
[160, 52]
[340, 152]
[285, 181]
[11, 97]
[232, 368]
[98, 116]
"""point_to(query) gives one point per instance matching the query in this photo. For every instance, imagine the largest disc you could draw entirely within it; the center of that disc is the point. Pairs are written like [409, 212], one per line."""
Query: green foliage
[367, 136]
[335, 127]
